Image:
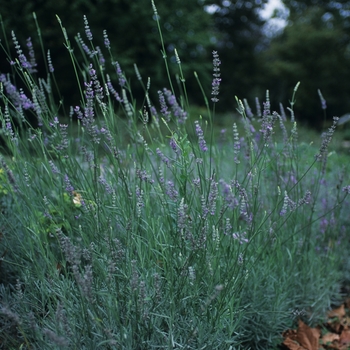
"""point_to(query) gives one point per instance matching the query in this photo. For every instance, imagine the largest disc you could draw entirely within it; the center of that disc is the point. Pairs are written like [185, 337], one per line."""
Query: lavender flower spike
[87, 29]
[216, 81]
[199, 132]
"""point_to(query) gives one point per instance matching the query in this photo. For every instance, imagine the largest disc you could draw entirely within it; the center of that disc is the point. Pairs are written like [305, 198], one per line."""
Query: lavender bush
[136, 229]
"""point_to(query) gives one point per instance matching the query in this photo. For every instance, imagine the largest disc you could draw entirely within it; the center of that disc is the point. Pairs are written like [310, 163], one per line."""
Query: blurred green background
[310, 45]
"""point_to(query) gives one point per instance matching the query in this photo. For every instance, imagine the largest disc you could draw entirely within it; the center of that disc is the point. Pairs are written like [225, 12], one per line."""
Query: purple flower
[173, 145]
[217, 80]
[346, 189]
[171, 191]
[327, 137]
[22, 58]
[202, 144]
[8, 130]
[120, 74]
[266, 108]
[205, 210]
[38, 101]
[32, 56]
[305, 200]
[228, 227]
[181, 216]
[240, 237]
[196, 182]
[106, 40]
[137, 72]
[112, 90]
[243, 196]
[69, 187]
[236, 144]
[49, 62]
[178, 112]
[248, 109]
[106, 185]
[87, 29]
[143, 176]
[97, 86]
[101, 58]
[64, 135]
[164, 159]
[288, 204]
[258, 108]
[323, 101]
[89, 110]
[54, 168]
[228, 195]
[213, 194]
[84, 46]
[164, 107]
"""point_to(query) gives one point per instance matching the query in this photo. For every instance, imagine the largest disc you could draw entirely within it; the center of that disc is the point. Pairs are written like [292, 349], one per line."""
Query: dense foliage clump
[137, 224]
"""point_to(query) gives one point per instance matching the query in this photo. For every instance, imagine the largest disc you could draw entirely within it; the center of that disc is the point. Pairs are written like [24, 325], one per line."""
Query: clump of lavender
[162, 228]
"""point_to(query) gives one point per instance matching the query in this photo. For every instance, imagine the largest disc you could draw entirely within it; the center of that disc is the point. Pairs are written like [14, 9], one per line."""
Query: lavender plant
[132, 228]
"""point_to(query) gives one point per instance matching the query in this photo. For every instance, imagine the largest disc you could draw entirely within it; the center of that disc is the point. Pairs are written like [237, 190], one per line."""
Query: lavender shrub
[130, 234]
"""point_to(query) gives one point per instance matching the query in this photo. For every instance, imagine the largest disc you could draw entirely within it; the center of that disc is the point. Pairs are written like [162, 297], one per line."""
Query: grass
[144, 227]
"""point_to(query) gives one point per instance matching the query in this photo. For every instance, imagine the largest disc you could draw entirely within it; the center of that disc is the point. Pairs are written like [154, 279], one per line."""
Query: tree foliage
[240, 25]
[313, 49]
[132, 30]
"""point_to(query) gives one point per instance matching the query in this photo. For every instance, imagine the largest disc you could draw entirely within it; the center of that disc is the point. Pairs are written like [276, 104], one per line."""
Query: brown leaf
[339, 312]
[346, 322]
[345, 337]
[308, 337]
[337, 319]
[292, 344]
[329, 338]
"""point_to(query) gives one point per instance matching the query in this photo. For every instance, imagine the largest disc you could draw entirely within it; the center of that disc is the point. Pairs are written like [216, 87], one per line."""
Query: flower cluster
[178, 112]
[327, 137]
[199, 132]
[217, 80]
[112, 90]
[87, 29]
